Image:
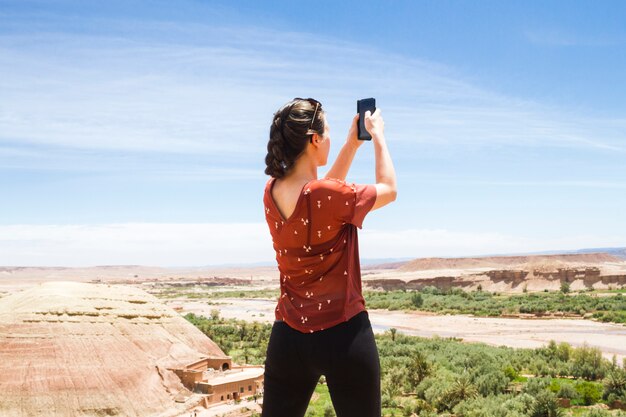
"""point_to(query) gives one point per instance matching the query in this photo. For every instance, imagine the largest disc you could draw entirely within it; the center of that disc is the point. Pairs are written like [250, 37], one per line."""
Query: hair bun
[289, 135]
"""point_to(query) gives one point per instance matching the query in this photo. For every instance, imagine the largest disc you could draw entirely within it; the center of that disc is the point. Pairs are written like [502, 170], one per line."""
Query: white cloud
[198, 244]
[447, 243]
[164, 244]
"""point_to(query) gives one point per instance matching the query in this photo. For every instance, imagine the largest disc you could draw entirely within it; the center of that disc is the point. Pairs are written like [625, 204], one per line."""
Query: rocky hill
[503, 273]
[79, 349]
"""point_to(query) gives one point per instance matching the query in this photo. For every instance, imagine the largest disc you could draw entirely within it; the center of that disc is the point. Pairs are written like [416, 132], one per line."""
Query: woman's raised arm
[386, 189]
[342, 164]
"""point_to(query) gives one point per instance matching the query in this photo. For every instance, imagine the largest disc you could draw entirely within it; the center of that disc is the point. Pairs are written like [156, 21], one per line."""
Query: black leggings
[346, 354]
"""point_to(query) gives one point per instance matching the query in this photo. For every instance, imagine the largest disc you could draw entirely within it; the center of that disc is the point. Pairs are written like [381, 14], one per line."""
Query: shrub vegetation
[444, 376]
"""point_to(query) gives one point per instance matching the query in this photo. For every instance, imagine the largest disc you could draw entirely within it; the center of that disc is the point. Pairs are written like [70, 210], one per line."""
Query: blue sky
[135, 132]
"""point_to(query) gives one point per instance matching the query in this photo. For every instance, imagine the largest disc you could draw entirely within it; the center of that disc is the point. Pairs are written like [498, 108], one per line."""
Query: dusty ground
[15, 278]
[228, 409]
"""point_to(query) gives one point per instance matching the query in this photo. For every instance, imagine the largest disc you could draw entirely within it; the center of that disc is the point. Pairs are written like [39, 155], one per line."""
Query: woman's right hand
[375, 124]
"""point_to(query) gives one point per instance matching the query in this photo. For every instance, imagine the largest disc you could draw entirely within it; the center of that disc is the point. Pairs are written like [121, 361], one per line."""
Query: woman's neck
[302, 171]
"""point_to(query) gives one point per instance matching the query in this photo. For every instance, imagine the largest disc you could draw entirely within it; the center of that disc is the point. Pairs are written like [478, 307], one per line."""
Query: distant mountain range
[617, 252]
[397, 262]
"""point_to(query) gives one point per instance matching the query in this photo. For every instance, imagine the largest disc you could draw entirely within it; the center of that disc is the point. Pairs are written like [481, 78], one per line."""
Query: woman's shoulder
[268, 185]
[332, 185]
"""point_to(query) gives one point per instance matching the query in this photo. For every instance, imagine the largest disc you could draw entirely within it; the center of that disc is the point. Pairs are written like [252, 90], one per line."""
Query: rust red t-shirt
[317, 252]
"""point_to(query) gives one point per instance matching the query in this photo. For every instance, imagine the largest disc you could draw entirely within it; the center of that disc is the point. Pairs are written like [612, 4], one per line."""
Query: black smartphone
[362, 106]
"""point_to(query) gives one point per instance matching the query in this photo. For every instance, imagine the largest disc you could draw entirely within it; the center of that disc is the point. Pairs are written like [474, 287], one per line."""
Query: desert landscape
[496, 274]
[31, 315]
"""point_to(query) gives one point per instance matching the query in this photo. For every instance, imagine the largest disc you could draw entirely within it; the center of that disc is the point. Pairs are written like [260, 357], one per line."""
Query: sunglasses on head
[317, 106]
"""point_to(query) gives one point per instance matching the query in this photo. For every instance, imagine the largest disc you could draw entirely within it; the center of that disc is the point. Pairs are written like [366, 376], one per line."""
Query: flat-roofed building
[221, 381]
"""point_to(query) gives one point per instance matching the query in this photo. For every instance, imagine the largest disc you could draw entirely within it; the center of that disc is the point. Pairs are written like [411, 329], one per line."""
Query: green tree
[567, 391]
[491, 382]
[546, 405]
[393, 331]
[243, 331]
[588, 363]
[534, 386]
[417, 300]
[419, 368]
[246, 354]
[511, 373]
[462, 389]
[565, 287]
[589, 392]
[392, 382]
[615, 384]
[564, 351]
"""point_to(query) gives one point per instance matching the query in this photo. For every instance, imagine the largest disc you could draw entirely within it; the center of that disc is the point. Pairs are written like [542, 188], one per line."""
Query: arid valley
[250, 294]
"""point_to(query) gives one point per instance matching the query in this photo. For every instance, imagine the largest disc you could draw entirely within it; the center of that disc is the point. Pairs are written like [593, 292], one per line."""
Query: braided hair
[290, 133]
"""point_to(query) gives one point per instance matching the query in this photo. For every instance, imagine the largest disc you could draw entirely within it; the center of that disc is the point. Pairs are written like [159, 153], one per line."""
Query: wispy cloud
[459, 181]
[213, 95]
[561, 38]
[450, 243]
[166, 244]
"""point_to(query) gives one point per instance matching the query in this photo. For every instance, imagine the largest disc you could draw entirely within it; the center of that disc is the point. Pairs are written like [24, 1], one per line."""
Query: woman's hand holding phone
[375, 125]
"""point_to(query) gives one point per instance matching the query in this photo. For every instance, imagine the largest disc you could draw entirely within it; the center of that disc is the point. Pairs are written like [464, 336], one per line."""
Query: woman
[322, 326]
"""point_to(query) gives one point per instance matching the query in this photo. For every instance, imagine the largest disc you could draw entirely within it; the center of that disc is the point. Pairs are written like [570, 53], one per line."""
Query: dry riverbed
[513, 332]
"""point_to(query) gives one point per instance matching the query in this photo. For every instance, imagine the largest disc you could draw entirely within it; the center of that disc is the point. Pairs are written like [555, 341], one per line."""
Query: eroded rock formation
[507, 280]
[78, 349]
